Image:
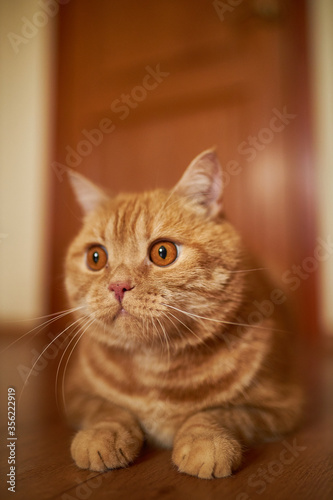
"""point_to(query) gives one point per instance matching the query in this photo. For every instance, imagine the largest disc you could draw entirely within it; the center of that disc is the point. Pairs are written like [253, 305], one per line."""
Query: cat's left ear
[202, 182]
[86, 192]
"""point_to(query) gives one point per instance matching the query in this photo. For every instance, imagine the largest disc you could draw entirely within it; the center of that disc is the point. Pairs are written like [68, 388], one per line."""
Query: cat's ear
[202, 182]
[86, 192]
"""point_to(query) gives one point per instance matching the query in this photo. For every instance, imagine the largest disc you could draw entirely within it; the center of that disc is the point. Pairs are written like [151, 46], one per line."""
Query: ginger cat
[161, 279]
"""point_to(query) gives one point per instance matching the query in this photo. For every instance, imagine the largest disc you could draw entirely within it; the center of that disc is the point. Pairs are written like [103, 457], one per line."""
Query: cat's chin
[123, 331]
[118, 320]
[122, 313]
[110, 317]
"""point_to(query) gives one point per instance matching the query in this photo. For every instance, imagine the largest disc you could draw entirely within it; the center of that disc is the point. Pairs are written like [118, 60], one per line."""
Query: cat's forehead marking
[129, 220]
[133, 220]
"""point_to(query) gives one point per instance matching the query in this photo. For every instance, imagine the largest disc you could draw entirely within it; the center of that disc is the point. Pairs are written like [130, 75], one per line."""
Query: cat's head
[145, 267]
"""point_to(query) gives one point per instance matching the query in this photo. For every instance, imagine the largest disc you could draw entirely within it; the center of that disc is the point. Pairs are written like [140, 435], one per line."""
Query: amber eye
[163, 253]
[97, 257]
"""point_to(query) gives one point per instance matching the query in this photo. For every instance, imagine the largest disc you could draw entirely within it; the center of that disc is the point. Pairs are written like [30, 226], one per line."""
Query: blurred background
[128, 93]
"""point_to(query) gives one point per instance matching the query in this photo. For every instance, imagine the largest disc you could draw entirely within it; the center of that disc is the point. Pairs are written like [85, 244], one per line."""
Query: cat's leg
[209, 443]
[110, 436]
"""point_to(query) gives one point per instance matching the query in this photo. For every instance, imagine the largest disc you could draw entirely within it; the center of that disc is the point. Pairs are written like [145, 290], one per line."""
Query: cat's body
[171, 353]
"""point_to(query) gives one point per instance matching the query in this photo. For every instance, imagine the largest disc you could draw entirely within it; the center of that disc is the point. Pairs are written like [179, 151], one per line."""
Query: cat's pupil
[162, 251]
[95, 257]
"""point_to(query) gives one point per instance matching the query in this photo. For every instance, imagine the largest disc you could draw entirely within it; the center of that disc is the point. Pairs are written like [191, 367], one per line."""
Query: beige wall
[27, 66]
[321, 24]
[25, 131]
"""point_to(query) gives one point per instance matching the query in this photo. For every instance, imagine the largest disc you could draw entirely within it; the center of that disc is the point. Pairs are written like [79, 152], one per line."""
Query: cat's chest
[161, 392]
[140, 378]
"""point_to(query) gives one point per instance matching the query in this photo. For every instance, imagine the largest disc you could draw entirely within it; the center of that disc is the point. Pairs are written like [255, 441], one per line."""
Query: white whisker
[70, 354]
[201, 341]
[192, 315]
[41, 354]
[78, 328]
[249, 270]
[166, 339]
[186, 326]
[43, 317]
[43, 325]
[157, 331]
[166, 315]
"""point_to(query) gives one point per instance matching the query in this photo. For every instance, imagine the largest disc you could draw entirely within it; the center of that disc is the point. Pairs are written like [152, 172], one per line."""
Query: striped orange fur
[166, 356]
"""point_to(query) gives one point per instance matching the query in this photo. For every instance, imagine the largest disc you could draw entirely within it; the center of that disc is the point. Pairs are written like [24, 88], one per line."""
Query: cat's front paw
[108, 447]
[207, 456]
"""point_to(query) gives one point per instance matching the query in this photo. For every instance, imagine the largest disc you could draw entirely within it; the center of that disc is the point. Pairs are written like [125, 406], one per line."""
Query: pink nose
[119, 289]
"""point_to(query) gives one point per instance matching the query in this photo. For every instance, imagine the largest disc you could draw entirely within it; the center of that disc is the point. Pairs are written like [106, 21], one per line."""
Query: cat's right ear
[88, 195]
[202, 182]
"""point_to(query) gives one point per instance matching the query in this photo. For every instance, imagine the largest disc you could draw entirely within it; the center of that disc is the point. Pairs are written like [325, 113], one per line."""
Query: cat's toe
[207, 457]
[104, 448]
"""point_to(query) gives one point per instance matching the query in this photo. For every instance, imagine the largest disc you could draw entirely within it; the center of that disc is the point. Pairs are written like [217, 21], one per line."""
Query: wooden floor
[300, 467]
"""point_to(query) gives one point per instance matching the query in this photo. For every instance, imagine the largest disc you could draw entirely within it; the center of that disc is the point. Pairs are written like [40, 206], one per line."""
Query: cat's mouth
[121, 313]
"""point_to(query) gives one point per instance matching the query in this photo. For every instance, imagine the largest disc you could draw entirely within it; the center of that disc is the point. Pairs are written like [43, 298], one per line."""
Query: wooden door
[143, 87]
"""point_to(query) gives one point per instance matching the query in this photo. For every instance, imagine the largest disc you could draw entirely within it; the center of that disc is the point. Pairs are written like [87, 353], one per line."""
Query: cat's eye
[163, 253]
[96, 258]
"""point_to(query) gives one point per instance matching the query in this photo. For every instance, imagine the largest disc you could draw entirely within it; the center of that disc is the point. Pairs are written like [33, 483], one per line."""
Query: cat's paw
[207, 456]
[108, 447]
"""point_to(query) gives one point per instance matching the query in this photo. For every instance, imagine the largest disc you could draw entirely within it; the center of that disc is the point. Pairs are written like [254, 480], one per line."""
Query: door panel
[175, 79]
